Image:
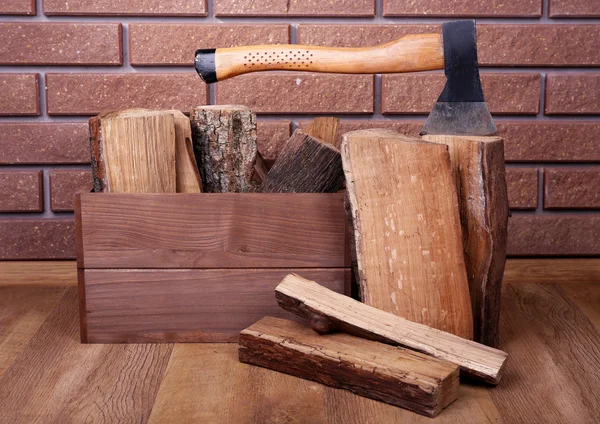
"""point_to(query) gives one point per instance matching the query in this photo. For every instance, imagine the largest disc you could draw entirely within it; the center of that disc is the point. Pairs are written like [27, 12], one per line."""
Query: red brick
[19, 94]
[334, 8]
[126, 7]
[572, 188]
[568, 141]
[60, 44]
[553, 234]
[298, 92]
[161, 44]
[17, 7]
[574, 9]
[89, 94]
[40, 143]
[21, 191]
[498, 45]
[271, 136]
[522, 186]
[463, 8]
[417, 93]
[64, 184]
[26, 239]
[573, 94]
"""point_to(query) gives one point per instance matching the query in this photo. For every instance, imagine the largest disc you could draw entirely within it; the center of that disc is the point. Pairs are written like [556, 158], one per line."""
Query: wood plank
[38, 273]
[552, 270]
[22, 312]
[587, 297]
[184, 305]
[61, 380]
[133, 151]
[397, 376]
[328, 311]
[480, 178]
[556, 350]
[231, 391]
[213, 230]
[188, 177]
[407, 229]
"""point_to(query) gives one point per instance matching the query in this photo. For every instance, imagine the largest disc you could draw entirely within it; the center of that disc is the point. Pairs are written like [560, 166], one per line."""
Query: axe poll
[460, 109]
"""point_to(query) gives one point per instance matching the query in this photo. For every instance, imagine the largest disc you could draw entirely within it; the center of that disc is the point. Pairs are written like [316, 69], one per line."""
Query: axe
[460, 109]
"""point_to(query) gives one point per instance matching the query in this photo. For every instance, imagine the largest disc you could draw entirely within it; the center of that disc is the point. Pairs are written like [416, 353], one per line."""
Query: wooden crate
[199, 267]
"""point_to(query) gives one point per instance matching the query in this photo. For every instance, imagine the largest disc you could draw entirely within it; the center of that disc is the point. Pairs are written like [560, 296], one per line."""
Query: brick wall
[62, 61]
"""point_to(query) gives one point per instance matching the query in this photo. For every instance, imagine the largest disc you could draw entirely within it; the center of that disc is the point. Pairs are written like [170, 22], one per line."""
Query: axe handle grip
[408, 54]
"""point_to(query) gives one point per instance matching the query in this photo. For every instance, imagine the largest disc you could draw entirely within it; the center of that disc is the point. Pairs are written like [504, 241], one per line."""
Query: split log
[478, 164]
[407, 229]
[188, 177]
[133, 151]
[225, 147]
[397, 376]
[328, 311]
[305, 165]
[324, 129]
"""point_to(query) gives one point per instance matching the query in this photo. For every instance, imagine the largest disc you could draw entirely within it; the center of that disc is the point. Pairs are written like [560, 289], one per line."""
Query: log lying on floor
[188, 176]
[133, 151]
[407, 229]
[397, 376]
[225, 146]
[305, 165]
[324, 128]
[478, 164]
[328, 311]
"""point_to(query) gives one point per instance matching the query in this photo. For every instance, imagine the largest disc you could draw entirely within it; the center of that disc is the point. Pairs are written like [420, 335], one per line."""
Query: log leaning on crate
[188, 176]
[478, 164]
[133, 151]
[393, 375]
[225, 148]
[327, 311]
[407, 230]
[305, 165]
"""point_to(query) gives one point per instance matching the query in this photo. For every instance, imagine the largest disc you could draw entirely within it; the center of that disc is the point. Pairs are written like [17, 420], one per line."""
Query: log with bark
[478, 165]
[407, 229]
[327, 311]
[393, 375]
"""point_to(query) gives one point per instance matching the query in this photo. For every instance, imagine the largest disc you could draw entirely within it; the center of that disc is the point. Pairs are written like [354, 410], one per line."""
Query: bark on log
[407, 229]
[225, 147]
[478, 166]
[328, 311]
[397, 376]
[305, 165]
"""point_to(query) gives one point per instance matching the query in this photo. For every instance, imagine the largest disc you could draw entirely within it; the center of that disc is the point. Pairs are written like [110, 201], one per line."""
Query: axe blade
[461, 108]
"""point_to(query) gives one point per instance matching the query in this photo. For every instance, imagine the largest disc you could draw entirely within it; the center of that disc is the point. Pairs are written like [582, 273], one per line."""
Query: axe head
[461, 108]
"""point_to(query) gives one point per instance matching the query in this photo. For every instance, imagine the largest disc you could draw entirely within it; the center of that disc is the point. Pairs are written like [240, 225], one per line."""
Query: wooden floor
[550, 327]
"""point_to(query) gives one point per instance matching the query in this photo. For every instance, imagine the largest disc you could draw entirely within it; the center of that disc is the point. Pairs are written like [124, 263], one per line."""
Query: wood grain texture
[208, 305]
[407, 229]
[38, 273]
[327, 311]
[555, 270]
[401, 377]
[305, 165]
[324, 128]
[225, 146]
[421, 52]
[587, 297]
[22, 312]
[480, 178]
[555, 376]
[212, 230]
[60, 380]
[188, 177]
[133, 151]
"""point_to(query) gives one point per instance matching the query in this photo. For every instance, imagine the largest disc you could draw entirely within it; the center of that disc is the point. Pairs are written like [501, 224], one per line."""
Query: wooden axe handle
[408, 54]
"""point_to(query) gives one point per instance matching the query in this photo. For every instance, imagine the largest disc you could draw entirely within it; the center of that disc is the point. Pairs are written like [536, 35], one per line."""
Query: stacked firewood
[428, 243]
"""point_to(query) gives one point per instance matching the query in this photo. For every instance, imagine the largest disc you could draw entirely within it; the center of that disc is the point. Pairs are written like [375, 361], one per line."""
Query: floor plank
[587, 297]
[552, 270]
[22, 312]
[554, 364]
[38, 273]
[61, 380]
